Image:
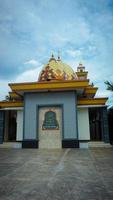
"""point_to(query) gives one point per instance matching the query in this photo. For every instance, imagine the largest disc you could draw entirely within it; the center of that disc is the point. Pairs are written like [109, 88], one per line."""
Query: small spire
[81, 68]
[52, 57]
[59, 57]
[80, 64]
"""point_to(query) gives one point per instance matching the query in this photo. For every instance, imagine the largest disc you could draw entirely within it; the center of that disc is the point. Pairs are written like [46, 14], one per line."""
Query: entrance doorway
[95, 120]
[10, 126]
[1, 126]
[50, 127]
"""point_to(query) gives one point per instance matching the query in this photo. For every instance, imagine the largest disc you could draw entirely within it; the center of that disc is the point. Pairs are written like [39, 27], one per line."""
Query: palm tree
[109, 85]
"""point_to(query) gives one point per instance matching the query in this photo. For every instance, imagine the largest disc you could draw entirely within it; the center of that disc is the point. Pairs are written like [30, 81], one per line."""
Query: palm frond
[109, 85]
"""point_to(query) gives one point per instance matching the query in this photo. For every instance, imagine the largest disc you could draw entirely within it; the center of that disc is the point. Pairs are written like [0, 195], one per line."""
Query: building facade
[58, 111]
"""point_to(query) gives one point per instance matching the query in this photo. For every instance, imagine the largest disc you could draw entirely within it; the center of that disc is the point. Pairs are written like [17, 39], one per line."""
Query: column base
[30, 144]
[70, 143]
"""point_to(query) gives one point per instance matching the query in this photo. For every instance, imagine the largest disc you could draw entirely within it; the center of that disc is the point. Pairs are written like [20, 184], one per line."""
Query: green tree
[109, 85]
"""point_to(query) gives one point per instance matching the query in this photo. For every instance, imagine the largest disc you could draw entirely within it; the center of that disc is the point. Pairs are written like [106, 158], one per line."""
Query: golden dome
[56, 70]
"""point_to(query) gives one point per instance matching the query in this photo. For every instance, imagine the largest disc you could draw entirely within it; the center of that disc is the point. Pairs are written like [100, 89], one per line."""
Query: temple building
[60, 110]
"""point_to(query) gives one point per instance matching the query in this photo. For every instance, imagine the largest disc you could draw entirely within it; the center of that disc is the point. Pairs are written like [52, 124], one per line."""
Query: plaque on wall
[50, 121]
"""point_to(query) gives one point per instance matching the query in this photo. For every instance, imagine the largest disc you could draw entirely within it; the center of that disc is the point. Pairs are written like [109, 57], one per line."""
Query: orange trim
[14, 95]
[95, 101]
[90, 90]
[5, 104]
[37, 86]
[81, 73]
[49, 82]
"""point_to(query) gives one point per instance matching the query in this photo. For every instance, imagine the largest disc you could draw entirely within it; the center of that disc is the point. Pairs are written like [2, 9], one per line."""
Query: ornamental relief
[50, 122]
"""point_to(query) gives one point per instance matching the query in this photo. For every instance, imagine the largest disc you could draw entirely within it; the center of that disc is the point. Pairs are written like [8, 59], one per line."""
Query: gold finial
[52, 57]
[59, 57]
[80, 64]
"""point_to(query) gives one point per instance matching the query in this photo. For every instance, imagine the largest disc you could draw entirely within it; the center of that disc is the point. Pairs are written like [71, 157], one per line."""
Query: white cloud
[29, 75]
[74, 53]
[4, 89]
[103, 93]
[81, 30]
[32, 62]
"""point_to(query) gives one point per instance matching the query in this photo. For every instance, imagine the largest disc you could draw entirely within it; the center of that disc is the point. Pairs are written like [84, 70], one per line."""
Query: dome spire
[59, 57]
[52, 57]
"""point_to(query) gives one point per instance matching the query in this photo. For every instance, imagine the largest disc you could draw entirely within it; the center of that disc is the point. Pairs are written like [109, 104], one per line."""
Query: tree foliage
[109, 85]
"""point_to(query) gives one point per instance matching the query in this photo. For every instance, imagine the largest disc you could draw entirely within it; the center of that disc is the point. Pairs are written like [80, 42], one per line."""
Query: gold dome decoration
[56, 70]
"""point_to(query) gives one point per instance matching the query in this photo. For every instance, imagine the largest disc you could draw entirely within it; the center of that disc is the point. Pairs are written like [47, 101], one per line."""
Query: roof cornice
[48, 86]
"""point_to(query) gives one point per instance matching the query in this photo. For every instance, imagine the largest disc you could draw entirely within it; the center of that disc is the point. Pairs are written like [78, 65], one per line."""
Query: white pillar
[19, 133]
[83, 127]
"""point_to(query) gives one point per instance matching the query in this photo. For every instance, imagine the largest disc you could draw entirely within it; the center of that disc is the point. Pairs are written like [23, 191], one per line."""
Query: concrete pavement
[67, 174]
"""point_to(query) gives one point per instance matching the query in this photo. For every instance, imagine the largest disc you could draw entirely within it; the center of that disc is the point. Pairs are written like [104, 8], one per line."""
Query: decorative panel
[50, 121]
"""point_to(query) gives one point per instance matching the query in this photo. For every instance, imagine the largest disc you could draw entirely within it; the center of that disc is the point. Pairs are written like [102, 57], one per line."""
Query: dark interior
[95, 124]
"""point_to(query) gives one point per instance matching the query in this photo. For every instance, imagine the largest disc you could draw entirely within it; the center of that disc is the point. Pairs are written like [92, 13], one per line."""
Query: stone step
[17, 145]
[99, 144]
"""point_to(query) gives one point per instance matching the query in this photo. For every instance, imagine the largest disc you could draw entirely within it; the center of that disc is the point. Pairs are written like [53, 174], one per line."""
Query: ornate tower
[81, 73]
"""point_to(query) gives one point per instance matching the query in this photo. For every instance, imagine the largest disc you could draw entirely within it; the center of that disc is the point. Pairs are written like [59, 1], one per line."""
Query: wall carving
[50, 121]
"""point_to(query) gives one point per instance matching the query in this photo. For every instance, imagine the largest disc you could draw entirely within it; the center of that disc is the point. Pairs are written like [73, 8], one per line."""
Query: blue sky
[31, 29]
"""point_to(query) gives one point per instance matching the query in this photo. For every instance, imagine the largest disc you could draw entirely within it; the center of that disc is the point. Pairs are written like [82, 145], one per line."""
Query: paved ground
[29, 174]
